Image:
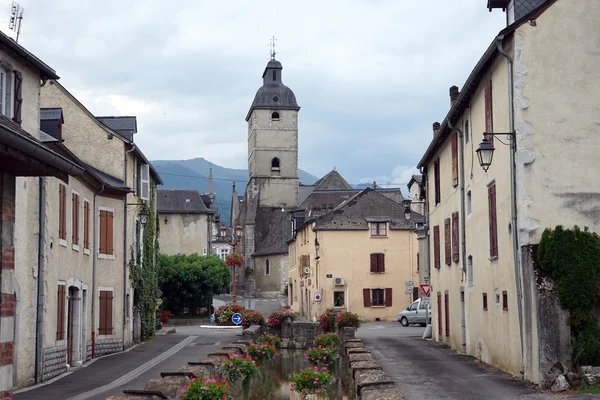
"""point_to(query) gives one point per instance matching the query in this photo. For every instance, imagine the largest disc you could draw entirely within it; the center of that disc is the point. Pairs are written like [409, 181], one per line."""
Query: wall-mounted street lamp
[144, 215]
[485, 152]
[407, 212]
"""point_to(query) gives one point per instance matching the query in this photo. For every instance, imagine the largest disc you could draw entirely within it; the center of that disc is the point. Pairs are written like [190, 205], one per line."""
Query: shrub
[165, 316]
[327, 320]
[223, 314]
[276, 318]
[238, 369]
[261, 351]
[310, 380]
[252, 317]
[347, 319]
[206, 389]
[269, 339]
[321, 356]
[328, 340]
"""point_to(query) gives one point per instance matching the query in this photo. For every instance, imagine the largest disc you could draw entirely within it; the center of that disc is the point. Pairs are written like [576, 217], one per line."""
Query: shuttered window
[447, 314]
[378, 262]
[60, 313]
[367, 297]
[455, 251]
[485, 304]
[106, 309]
[18, 97]
[86, 224]
[145, 182]
[447, 242]
[493, 223]
[436, 173]
[62, 212]
[388, 297]
[106, 232]
[436, 246]
[455, 159]
[439, 313]
[504, 300]
[75, 217]
[377, 297]
[489, 118]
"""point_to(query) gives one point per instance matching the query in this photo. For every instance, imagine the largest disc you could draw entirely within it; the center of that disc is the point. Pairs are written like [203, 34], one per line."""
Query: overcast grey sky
[371, 76]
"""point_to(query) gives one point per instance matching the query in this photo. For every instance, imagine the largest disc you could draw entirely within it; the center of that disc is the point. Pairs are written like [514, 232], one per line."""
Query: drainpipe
[513, 196]
[426, 215]
[94, 258]
[39, 338]
[125, 249]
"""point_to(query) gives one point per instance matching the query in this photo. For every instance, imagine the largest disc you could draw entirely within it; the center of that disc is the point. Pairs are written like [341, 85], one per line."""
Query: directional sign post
[425, 288]
[236, 318]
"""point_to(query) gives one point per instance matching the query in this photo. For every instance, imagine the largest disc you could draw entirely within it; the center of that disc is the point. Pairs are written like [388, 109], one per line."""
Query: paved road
[426, 370]
[264, 305]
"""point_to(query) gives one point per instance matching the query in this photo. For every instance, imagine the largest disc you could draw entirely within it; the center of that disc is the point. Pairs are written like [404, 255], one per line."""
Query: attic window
[275, 164]
[275, 116]
[187, 200]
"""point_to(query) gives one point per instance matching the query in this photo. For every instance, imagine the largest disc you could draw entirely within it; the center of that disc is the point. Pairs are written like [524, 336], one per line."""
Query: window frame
[86, 225]
[61, 298]
[335, 294]
[75, 217]
[108, 322]
[107, 254]
[377, 230]
[62, 215]
[267, 267]
[145, 182]
[484, 298]
[382, 292]
[493, 221]
[377, 263]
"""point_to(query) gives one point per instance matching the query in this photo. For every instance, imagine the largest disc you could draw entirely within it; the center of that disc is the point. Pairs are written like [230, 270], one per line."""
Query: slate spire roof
[332, 181]
[180, 202]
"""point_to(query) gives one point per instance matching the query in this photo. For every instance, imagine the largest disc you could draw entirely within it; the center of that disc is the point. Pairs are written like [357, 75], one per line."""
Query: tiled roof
[332, 181]
[106, 178]
[45, 138]
[272, 229]
[181, 202]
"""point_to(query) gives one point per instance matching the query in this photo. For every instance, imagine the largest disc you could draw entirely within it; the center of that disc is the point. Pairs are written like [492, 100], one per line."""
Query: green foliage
[223, 314]
[276, 318]
[328, 340]
[261, 351]
[252, 317]
[143, 271]
[321, 356]
[191, 280]
[573, 258]
[239, 369]
[269, 339]
[310, 380]
[205, 389]
[347, 319]
[327, 320]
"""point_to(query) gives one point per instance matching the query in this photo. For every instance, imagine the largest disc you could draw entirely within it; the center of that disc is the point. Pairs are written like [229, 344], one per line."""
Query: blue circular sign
[236, 318]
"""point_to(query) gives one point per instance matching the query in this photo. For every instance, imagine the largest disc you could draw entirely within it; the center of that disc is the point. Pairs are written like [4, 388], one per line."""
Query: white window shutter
[135, 176]
[145, 182]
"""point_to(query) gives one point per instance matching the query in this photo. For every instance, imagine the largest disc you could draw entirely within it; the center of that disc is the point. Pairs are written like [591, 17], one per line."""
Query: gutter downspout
[513, 196]
[39, 329]
[94, 283]
[125, 305]
[426, 215]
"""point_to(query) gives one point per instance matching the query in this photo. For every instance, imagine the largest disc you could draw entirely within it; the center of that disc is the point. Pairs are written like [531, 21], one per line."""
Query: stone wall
[55, 362]
[299, 334]
[88, 350]
[108, 346]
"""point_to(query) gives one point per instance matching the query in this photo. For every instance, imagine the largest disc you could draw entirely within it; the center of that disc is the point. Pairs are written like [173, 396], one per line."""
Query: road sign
[425, 289]
[408, 291]
[330, 275]
[410, 288]
[426, 278]
[236, 318]
[408, 283]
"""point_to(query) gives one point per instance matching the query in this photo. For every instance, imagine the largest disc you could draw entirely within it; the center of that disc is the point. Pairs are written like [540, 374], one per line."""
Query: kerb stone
[382, 394]
[375, 378]
[363, 366]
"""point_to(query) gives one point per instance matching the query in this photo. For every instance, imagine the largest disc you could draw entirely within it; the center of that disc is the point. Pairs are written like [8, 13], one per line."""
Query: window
[86, 225]
[274, 75]
[339, 299]
[275, 116]
[378, 228]
[378, 262]
[493, 223]
[436, 173]
[275, 163]
[106, 309]
[135, 176]
[60, 312]
[378, 297]
[145, 182]
[454, 159]
[497, 297]
[469, 206]
[489, 118]
[467, 131]
[504, 300]
[106, 232]
[224, 253]
[436, 246]
[75, 217]
[18, 97]
[439, 314]
[447, 242]
[414, 306]
[423, 305]
[62, 206]
[447, 314]
[485, 305]
[455, 251]
[3, 108]
[267, 267]
[470, 270]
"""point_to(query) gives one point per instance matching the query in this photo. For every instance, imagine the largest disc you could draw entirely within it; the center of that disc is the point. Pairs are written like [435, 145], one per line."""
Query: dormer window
[378, 228]
[275, 116]
[275, 164]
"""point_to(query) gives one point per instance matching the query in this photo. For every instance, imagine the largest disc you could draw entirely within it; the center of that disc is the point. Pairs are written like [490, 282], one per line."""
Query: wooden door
[70, 329]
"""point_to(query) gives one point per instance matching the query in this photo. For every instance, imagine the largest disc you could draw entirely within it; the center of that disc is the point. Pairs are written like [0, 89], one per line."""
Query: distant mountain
[193, 174]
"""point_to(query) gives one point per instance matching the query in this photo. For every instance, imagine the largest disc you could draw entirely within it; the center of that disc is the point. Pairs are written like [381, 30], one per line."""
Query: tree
[191, 280]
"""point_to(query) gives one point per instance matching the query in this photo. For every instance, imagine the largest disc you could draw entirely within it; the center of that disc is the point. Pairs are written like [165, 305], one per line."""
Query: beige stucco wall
[183, 233]
[82, 132]
[493, 335]
[556, 111]
[346, 254]
[273, 283]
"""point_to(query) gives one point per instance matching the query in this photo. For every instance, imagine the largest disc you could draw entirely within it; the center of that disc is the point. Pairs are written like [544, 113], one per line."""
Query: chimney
[436, 128]
[453, 95]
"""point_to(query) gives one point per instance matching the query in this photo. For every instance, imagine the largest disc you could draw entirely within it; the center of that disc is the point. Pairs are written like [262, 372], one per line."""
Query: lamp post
[144, 214]
[233, 241]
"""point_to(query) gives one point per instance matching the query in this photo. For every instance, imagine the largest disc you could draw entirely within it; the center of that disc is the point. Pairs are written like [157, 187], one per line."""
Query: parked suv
[415, 313]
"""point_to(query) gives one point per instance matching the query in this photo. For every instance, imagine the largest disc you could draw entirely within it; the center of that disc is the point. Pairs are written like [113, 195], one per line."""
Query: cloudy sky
[371, 76]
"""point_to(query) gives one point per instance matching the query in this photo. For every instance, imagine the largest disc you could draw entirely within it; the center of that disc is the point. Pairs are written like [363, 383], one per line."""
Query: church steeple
[211, 185]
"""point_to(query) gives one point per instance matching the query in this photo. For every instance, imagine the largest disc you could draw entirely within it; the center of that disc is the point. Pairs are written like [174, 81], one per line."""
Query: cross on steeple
[272, 46]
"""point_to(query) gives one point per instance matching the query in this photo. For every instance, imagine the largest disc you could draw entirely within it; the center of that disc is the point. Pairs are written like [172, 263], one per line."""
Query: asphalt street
[426, 370]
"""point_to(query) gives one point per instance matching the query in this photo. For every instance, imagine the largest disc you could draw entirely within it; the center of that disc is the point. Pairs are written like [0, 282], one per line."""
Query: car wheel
[404, 321]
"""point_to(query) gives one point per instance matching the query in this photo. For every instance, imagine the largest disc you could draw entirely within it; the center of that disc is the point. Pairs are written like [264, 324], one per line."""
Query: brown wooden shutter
[493, 221]
[436, 246]
[102, 324]
[388, 297]
[455, 159]
[415, 293]
[61, 210]
[485, 306]
[489, 114]
[103, 224]
[374, 262]
[380, 262]
[447, 314]
[436, 171]
[109, 233]
[367, 297]
[18, 97]
[439, 313]
[447, 242]
[455, 251]
[60, 313]
[109, 312]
